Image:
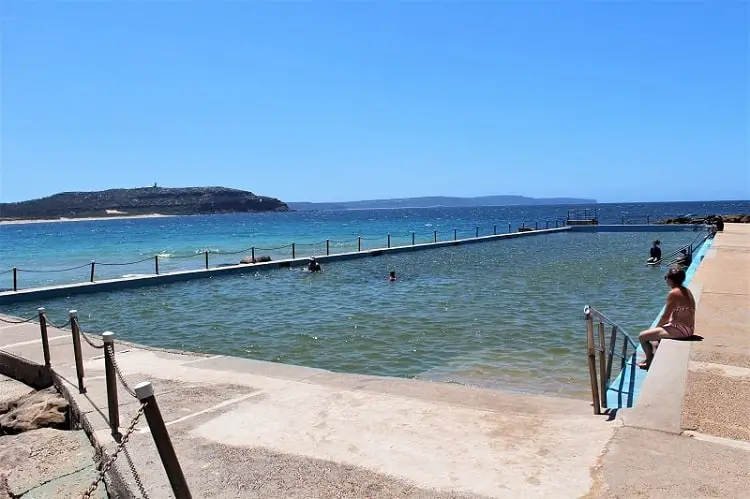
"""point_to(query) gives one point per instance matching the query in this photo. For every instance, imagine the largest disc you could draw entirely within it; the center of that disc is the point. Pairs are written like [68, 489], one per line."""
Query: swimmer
[313, 265]
[655, 253]
[685, 260]
[392, 276]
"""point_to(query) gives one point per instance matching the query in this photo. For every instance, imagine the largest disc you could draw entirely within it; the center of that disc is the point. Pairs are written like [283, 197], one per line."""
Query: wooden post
[412, 238]
[359, 244]
[93, 266]
[592, 363]
[294, 251]
[156, 264]
[76, 334]
[434, 235]
[15, 279]
[389, 240]
[205, 252]
[604, 382]
[145, 393]
[45, 338]
[328, 247]
[111, 381]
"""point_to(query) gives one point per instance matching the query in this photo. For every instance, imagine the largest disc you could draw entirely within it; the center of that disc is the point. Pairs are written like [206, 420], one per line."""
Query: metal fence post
[145, 393]
[252, 254]
[602, 363]
[412, 238]
[328, 247]
[76, 334]
[547, 225]
[205, 253]
[156, 264]
[294, 251]
[648, 219]
[434, 235]
[111, 379]
[509, 229]
[455, 234]
[536, 225]
[523, 225]
[623, 220]
[359, 244]
[476, 233]
[15, 279]
[494, 230]
[45, 338]
[389, 240]
[93, 266]
[591, 351]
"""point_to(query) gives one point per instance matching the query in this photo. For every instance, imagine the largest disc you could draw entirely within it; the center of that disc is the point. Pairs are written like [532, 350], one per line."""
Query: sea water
[504, 314]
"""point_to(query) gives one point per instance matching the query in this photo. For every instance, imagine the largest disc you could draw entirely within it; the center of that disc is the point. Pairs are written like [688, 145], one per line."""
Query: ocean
[505, 314]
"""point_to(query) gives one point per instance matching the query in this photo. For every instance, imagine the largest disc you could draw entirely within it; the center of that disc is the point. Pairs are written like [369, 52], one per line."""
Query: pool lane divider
[105, 285]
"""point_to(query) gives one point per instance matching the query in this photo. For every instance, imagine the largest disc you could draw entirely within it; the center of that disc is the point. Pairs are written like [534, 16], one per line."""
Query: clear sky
[619, 101]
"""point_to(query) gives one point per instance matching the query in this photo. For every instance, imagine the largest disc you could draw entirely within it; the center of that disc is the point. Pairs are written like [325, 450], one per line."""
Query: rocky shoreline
[708, 219]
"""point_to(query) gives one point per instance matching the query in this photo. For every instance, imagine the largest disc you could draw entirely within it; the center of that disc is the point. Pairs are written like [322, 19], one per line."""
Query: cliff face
[141, 201]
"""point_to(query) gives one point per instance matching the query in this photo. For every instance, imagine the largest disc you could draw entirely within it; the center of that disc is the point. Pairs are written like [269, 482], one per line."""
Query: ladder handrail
[588, 309]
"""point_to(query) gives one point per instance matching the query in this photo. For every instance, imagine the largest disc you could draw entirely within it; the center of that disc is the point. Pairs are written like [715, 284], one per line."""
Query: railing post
[412, 239]
[15, 279]
[294, 251]
[111, 380]
[76, 334]
[93, 266]
[546, 224]
[359, 244]
[389, 240]
[205, 253]
[45, 338]
[591, 351]
[536, 225]
[328, 247]
[556, 223]
[145, 393]
[602, 364]
[476, 232]
[623, 220]
[611, 354]
[494, 230]
[648, 219]
[523, 225]
[509, 229]
[156, 264]
[455, 234]
[434, 235]
[252, 254]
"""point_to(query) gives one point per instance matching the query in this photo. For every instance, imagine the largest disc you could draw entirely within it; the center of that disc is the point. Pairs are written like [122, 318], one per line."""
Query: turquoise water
[504, 314]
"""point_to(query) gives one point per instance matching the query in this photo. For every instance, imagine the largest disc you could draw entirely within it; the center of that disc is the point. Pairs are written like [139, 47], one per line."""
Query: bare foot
[644, 365]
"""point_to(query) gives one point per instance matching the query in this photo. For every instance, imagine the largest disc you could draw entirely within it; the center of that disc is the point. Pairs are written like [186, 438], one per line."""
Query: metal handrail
[596, 344]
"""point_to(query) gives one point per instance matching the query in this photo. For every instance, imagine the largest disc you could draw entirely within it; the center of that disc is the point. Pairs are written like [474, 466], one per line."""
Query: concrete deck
[688, 435]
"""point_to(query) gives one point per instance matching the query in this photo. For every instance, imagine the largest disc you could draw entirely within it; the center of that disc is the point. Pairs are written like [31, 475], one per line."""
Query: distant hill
[141, 201]
[436, 201]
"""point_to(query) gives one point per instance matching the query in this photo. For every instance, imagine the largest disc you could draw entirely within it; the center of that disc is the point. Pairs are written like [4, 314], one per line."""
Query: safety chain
[125, 385]
[136, 476]
[22, 321]
[63, 326]
[88, 340]
[108, 464]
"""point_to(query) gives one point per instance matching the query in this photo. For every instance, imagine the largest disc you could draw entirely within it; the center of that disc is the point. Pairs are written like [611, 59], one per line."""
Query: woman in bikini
[678, 319]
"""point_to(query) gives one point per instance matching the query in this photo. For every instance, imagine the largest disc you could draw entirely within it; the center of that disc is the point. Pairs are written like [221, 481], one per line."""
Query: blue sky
[620, 101]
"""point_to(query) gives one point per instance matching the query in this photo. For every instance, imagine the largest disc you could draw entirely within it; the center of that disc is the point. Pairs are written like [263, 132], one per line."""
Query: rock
[260, 259]
[40, 409]
[710, 219]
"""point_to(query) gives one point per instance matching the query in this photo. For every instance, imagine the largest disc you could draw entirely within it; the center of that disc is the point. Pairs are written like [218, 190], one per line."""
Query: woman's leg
[646, 337]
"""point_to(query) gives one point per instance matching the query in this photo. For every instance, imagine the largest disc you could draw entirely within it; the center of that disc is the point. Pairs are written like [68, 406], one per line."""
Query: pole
[328, 247]
[15, 279]
[93, 266]
[252, 254]
[111, 378]
[294, 251]
[592, 363]
[602, 363]
[412, 238]
[205, 253]
[536, 225]
[454, 234]
[547, 225]
[389, 240]
[359, 244]
[434, 235]
[476, 233]
[145, 393]
[45, 338]
[76, 333]
[156, 264]
[648, 219]
[494, 230]
[509, 228]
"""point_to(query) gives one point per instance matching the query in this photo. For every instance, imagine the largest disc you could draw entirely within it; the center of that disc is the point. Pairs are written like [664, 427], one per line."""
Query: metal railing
[616, 352]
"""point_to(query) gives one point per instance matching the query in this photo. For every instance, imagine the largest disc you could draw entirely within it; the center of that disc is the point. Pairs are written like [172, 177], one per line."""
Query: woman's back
[684, 306]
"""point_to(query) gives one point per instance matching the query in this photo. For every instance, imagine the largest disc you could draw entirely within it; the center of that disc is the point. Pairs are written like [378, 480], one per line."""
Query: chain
[108, 464]
[118, 372]
[88, 340]
[136, 476]
[63, 326]
[22, 321]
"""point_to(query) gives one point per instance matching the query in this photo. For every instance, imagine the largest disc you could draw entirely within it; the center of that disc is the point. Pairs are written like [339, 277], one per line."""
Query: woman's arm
[668, 308]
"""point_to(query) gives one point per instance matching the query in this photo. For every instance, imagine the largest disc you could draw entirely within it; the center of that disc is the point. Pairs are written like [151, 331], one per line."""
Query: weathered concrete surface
[693, 441]
[11, 389]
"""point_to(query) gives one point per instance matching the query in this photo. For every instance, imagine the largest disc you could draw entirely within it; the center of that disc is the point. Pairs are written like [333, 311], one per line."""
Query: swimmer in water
[313, 265]
[392, 276]
[655, 253]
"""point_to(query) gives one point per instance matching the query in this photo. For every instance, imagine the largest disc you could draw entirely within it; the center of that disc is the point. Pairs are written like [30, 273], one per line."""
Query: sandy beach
[88, 219]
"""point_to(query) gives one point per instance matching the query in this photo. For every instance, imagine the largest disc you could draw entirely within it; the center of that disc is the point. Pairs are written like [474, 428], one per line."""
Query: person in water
[655, 253]
[313, 265]
[392, 276]
[678, 319]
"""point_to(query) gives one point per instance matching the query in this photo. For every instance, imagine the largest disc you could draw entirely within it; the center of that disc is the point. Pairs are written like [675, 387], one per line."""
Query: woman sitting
[678, 319]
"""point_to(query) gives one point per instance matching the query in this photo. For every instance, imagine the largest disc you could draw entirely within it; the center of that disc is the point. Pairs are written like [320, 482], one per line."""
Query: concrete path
[244, 428]
[688, 434]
